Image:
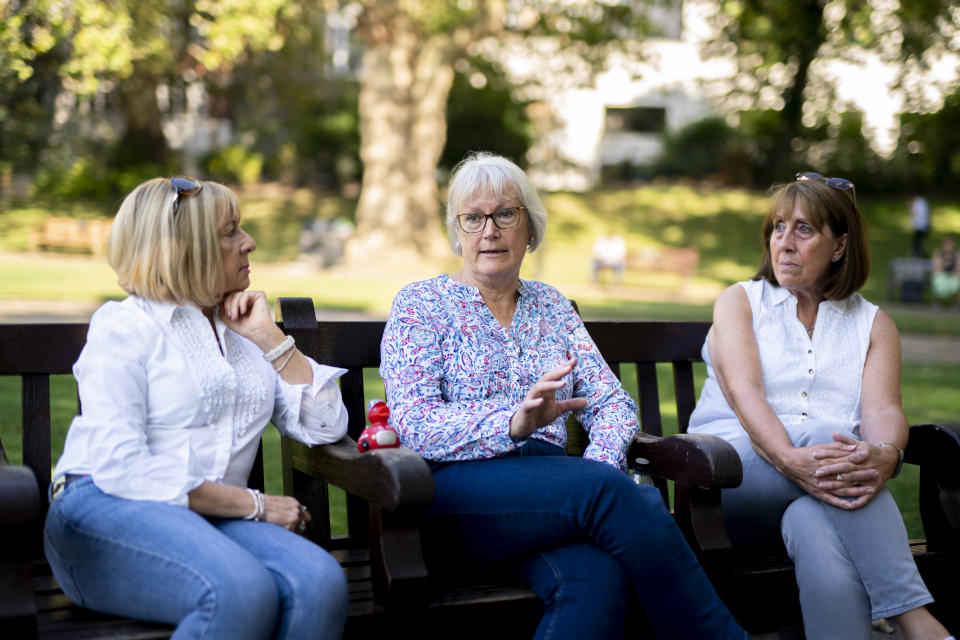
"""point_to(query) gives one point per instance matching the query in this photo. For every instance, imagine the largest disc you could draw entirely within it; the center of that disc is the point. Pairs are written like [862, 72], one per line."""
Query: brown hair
[172, 258]
[824, 206]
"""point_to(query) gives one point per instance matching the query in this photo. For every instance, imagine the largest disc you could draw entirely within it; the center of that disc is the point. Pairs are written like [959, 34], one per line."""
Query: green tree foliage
[776, 45]
[123, 52]
[487, 118]
[928, 152]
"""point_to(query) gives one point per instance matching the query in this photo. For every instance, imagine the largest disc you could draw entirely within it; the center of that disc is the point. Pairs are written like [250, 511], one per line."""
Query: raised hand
[540, 407]
[248, 314]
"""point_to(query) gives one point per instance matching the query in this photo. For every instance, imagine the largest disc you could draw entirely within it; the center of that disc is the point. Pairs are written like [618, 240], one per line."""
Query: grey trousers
[851, 566]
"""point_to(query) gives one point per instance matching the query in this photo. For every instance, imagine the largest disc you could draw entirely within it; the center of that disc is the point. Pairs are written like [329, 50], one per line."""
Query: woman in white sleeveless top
[804, 381]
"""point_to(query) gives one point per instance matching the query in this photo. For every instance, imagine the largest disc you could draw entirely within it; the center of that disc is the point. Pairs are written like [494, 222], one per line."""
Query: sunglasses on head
[183, 187]
[837, 183]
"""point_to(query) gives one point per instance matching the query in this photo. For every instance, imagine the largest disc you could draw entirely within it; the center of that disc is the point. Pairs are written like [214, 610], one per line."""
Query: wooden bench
[391, 589]
[908, 279]
[71, 233]
[679, 261]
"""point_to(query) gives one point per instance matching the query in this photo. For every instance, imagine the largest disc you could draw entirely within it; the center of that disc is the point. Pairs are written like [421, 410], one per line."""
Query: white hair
[488, 173]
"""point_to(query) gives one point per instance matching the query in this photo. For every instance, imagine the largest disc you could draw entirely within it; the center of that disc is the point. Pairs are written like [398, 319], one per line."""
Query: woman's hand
[286, 512]
[540, 407]
[248, 314]
[859, 466]
[803, 466]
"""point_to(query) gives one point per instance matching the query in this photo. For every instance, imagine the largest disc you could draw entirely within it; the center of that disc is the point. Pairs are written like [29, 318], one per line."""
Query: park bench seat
[391, 590]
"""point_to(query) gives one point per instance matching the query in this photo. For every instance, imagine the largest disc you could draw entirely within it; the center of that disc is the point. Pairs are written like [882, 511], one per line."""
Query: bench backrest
[355, 346]
[36, 351]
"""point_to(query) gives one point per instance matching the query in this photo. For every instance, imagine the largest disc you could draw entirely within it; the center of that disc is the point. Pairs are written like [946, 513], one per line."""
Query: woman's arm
[308, 404]
[609, 414]
[248, 314]
[227, 501]
[882, 418]
[736, 363]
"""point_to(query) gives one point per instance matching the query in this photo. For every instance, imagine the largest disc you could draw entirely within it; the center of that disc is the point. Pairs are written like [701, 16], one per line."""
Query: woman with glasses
[481, 370]
[804, 381]
[150, 514]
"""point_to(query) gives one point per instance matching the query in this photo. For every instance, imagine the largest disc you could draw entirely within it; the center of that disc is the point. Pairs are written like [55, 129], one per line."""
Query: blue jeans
[851, 566]
[590, 542]
[212, 578]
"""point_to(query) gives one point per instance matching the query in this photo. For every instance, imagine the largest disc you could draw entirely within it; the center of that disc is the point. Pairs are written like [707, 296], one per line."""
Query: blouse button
[803, 394]
[810, 371]
[809, 350]
[803, 416]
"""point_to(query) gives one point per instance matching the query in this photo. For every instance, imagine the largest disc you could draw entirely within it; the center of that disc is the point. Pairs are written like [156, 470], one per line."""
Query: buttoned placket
[811, 363]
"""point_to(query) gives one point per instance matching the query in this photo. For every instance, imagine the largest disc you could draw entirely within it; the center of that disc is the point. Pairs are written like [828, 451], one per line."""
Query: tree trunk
[404, 87]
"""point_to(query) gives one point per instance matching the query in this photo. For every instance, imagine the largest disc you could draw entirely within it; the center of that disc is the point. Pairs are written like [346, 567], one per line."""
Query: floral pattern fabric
[454, 375]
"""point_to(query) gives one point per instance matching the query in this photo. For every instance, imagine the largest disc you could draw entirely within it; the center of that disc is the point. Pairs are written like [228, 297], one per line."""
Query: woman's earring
[457, 246]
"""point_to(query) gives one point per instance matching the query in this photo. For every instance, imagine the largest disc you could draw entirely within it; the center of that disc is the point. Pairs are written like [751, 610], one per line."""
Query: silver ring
[839, 477]
[302, 527]
[303, 508]
[855, 484]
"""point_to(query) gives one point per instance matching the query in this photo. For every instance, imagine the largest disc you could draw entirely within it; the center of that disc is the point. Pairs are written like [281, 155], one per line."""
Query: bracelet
[286, 360]
[259, 505]
[899, 451]
[279, 350]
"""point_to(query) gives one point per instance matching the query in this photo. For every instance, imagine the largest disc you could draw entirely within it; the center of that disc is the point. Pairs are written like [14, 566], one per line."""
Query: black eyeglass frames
[837, 183]
[183, 187]
[506, 218]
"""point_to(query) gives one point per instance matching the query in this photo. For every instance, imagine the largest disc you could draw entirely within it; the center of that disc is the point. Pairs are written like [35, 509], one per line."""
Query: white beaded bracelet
[279, 350]
[286, 360]
[260, 505]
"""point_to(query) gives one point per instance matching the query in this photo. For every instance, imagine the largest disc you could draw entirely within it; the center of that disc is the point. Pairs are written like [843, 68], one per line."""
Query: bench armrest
[936, 448]
[701, 465]
[19, 497]
[390, 478]
[694, 459]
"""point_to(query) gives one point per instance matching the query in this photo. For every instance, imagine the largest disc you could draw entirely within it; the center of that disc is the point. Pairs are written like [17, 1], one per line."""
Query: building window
[635, 119]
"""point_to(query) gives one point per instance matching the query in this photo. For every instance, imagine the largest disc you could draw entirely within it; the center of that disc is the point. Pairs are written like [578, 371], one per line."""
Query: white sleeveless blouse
[805, 378]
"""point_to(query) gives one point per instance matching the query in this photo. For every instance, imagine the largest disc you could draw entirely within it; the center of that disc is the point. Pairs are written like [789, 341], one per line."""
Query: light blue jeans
[851, 566]
[212, 578]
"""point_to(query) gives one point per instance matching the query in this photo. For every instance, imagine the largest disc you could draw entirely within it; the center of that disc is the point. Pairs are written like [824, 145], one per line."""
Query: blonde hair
[172, 258]
[482, 171]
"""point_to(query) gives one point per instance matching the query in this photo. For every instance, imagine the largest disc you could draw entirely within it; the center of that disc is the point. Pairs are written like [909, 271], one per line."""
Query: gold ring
[839, 477]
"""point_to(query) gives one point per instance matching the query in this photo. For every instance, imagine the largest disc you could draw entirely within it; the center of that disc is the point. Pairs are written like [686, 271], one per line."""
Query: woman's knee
[320, 583]
[245, 594]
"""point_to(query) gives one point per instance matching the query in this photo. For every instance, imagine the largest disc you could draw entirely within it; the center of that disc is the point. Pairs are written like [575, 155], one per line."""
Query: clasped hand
[540, 406]
[845, 473]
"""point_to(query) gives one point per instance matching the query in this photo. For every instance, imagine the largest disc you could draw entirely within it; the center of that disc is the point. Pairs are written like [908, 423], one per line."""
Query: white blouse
[805, 377]
[162, 409]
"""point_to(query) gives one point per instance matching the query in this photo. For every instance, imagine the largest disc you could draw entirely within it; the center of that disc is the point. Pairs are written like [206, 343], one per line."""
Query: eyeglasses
[837, 183]
[475, 222]
[184, 187]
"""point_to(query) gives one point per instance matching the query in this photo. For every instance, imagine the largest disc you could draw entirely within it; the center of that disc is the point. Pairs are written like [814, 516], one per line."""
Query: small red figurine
[379, 435]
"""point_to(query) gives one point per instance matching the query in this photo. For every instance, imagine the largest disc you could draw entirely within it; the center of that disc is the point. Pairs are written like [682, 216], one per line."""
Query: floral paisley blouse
[454, 376]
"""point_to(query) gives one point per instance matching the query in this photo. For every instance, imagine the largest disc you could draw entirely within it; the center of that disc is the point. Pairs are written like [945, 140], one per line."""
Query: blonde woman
[150, 515]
